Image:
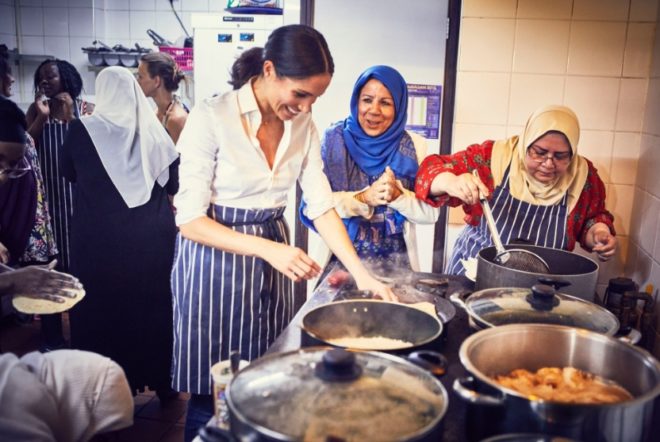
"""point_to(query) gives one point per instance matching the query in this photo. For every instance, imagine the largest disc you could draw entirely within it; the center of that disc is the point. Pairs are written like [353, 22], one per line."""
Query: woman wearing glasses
[540, 190]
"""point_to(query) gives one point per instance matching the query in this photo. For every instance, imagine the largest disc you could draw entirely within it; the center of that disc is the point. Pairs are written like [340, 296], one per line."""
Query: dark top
[123, 258]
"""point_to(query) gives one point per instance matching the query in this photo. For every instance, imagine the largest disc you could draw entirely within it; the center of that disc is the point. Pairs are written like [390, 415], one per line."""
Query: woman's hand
[64, 101]
[378, 288]
[291, 261]
[41, 105]
[4, 254]
[41, 282]
[466, 187]
[382, 191]
[601, 241]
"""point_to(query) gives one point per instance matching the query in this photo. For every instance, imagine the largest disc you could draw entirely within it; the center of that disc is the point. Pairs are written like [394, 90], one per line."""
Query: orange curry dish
[566, 384]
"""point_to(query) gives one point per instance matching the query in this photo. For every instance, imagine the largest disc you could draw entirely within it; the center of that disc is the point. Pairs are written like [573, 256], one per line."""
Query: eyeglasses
[18, 170]
[540, 156]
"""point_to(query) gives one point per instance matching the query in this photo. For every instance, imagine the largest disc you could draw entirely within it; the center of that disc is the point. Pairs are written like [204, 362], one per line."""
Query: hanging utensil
[188, 42]
[518, 259]
[157, 39]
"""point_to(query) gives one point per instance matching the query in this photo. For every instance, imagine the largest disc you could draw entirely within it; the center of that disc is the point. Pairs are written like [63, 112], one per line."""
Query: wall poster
[424, 109]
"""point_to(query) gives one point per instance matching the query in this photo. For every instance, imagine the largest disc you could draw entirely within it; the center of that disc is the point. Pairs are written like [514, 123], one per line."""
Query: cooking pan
[369, 318]
[580, 271]
[406, 295]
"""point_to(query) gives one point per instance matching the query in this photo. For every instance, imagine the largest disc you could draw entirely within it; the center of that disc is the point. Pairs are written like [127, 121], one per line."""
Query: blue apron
[515, 219]
[224, 301]
[59, 191]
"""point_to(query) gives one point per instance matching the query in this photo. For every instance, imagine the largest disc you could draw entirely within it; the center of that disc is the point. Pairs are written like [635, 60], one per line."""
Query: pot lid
[540, 304]
[320, 393]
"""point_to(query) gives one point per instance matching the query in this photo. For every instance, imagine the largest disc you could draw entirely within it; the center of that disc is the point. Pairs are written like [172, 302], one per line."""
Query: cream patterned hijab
[512, 152]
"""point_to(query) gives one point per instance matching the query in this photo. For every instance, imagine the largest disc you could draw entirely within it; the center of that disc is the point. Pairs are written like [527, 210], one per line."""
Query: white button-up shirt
[222, 162]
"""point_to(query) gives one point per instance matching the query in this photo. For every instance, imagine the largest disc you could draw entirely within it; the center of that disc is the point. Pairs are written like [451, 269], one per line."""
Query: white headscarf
[134, 148]
[64, 396]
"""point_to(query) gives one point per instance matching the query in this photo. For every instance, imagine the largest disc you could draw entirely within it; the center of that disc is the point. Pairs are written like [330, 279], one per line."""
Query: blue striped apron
[225, 301]
[59, 191]
[515, 219]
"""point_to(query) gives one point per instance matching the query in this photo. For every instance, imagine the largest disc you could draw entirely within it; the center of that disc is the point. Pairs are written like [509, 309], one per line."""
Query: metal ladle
[517, 259]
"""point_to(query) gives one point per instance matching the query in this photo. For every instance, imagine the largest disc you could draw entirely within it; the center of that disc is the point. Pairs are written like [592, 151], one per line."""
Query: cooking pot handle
[463, 387]
[555, 282]
[429, 360]
[457, 298]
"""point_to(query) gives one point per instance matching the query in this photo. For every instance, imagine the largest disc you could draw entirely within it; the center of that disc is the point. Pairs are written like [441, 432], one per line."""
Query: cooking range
[462, 421]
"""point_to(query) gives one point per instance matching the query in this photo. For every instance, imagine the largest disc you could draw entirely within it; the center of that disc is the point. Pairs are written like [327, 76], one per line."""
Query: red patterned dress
[590, 207]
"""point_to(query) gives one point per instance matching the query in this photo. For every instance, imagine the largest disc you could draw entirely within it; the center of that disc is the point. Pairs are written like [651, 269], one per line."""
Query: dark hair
[12, 122]
[297, 51]
[5, 68]
[160, 64]
[69, 77]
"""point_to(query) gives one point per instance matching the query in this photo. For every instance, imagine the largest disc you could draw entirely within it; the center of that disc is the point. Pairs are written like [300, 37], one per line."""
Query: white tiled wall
[643, 264]
[595, 56]
[60, 28]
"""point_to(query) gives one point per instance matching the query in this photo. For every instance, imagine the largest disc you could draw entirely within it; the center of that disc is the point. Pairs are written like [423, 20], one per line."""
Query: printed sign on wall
[424, 109]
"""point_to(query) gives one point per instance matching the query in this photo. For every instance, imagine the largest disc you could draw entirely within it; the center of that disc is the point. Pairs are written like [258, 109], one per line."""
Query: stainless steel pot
[499, 410]
[320, 394]
[579, 271]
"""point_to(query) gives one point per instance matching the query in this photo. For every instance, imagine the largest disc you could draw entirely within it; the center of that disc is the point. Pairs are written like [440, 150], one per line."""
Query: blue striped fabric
[59, 192]
[540, 225]
[224, 301]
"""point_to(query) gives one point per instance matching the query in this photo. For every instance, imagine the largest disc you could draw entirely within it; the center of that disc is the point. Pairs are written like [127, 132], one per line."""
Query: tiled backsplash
[60, 28]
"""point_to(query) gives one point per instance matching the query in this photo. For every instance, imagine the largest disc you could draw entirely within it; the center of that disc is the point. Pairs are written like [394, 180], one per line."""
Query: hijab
[63, 395]
[373, 154]
[511, 153]
[92, 391]
[133, 146]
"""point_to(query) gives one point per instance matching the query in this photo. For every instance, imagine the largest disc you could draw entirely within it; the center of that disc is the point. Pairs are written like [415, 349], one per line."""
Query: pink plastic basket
[183, 57]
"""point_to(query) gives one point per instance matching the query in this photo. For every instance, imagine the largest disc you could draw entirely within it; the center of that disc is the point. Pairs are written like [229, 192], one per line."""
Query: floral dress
[41, 244]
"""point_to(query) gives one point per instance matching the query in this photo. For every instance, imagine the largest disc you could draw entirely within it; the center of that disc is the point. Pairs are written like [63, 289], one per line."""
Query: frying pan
[371, 318]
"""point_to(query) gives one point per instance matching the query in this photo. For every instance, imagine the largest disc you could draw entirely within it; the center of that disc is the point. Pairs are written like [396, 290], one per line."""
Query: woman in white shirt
[241, 152]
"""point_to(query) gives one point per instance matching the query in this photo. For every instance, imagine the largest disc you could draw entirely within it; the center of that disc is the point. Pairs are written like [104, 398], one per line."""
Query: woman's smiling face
[288, 97]
[376, 110]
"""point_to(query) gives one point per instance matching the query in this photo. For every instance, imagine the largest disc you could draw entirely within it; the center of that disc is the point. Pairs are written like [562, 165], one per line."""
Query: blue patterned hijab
[369, 155]
[372, 154]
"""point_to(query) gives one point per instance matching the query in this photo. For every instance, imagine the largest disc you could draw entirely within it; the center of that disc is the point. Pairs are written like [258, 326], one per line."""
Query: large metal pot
[321, 394]
[499, 410]
[579, 271]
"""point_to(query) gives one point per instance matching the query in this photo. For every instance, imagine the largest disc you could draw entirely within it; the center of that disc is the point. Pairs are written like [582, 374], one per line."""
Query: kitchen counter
[454, 334]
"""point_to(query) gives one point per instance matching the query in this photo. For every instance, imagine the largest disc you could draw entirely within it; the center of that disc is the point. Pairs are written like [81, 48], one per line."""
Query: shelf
[28, 58]
[98, 69]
